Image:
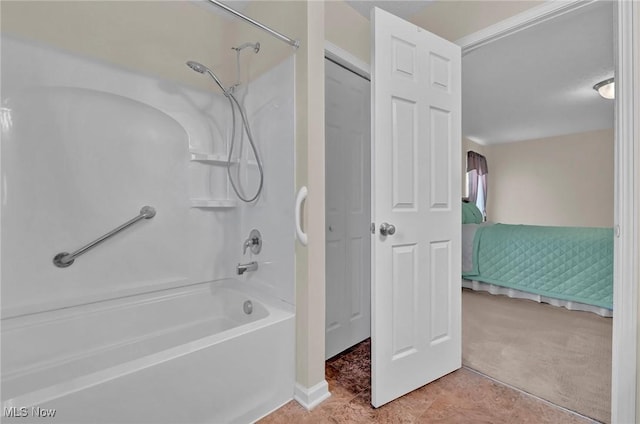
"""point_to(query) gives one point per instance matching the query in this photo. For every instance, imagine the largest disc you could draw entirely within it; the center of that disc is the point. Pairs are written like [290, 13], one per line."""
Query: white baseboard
[310, 397]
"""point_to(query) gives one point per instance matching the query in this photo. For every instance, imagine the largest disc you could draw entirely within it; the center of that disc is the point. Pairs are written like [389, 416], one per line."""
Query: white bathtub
[185, 355]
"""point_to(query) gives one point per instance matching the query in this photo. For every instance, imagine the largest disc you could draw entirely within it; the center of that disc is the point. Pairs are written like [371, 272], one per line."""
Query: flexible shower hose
[247, 130]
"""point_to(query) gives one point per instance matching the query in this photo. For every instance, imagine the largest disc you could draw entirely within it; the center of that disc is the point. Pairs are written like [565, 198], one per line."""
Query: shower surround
[151, 321]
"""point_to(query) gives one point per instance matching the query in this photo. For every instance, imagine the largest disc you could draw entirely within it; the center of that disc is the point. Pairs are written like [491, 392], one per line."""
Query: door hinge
[373, 228]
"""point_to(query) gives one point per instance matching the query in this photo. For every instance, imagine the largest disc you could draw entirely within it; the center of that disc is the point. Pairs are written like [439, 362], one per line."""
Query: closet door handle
[302, 195]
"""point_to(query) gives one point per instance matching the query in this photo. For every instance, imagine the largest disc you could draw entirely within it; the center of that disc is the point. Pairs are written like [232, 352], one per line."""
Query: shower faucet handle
[254, 242]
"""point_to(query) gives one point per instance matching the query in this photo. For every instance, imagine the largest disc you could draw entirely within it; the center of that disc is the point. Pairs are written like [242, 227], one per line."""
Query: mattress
[567, 263]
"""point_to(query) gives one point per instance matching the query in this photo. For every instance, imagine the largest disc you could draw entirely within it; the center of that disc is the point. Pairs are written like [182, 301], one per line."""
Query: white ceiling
[535, 83]
[538, 82]
[402, 8]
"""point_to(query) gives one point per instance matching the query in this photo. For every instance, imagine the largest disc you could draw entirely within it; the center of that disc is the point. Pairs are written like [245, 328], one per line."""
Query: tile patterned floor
[460, 397]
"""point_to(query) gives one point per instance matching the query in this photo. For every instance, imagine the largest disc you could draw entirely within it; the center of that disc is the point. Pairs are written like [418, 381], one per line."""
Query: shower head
[200, 68]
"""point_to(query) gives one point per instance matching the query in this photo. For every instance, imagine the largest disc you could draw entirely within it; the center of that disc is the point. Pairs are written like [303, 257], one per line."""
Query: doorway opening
[628, 307]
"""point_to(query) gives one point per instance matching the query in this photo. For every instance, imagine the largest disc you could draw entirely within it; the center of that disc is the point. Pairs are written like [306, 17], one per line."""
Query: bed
[564, 266]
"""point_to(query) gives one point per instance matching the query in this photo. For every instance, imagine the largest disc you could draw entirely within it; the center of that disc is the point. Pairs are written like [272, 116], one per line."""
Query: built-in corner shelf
[209, 203]
[213, 203]
[212, 159]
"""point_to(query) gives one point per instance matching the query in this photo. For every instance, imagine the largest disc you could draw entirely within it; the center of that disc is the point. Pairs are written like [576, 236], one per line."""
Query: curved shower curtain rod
[290, 41]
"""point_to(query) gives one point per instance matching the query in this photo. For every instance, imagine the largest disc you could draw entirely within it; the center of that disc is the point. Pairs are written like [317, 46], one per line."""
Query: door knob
[387, 229]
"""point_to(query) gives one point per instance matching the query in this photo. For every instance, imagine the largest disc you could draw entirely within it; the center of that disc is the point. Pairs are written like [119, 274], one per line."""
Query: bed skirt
[517, 294]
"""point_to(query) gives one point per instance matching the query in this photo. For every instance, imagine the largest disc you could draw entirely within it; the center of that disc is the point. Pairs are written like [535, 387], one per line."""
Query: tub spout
[242, 268]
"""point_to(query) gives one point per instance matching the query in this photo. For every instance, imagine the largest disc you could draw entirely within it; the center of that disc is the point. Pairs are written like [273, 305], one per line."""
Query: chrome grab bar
[64, 259]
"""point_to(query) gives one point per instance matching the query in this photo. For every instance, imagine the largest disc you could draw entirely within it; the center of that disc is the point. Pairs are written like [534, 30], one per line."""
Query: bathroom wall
[134, 35]
[130, 34]
[348, 29]
[304, 20]
[86, 143]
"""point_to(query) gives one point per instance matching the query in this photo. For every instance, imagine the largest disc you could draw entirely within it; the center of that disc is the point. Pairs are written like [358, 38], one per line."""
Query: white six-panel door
[416, 129]
[348, 208]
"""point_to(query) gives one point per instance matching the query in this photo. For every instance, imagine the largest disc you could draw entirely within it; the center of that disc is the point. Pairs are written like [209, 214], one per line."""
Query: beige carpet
[558, 355]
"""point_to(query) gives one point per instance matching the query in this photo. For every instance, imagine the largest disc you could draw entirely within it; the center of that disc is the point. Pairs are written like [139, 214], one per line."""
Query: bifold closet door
[348, 238]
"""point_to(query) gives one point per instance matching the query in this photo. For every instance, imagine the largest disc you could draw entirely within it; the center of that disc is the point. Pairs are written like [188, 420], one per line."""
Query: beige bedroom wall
[565, 180]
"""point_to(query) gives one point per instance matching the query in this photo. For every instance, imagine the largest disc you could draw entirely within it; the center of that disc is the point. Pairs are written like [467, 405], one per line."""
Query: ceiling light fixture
[606, 88]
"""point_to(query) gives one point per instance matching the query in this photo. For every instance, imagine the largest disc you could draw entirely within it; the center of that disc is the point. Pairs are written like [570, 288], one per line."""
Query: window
[477, 189]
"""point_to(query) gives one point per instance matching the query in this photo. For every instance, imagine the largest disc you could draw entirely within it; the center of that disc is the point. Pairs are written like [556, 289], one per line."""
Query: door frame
[627, 176]
[627, 183]
[346, 59]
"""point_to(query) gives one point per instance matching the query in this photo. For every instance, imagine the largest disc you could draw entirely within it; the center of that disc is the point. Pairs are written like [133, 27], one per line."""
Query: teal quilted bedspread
[569, 263]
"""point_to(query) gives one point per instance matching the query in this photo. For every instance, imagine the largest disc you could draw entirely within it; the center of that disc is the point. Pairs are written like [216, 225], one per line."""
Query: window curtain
[478, 170]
